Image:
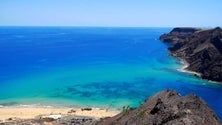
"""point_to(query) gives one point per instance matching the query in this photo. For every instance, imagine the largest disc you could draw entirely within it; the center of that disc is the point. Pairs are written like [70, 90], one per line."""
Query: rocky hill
[167, 108]
[201, 48]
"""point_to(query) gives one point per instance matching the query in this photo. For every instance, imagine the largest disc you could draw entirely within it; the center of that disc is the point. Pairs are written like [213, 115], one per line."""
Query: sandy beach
[184, 68]
[33, 112]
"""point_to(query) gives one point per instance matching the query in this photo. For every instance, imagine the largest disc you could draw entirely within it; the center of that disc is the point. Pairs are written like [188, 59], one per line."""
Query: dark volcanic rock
[202, 49]
[167, 108]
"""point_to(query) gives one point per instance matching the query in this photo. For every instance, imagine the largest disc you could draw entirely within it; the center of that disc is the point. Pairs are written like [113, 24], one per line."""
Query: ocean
[92, 67]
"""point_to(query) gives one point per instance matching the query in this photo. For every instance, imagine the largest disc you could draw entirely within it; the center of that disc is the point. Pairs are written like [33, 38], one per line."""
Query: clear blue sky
[147, 13]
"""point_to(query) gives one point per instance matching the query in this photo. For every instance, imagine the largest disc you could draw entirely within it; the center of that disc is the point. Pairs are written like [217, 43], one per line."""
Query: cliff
[167, 108]
[202, 49]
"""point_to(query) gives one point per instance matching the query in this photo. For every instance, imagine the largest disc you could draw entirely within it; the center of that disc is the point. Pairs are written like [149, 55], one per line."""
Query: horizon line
[105, 26]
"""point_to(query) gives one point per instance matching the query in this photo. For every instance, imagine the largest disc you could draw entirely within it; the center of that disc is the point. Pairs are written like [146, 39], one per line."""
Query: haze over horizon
[141, 13]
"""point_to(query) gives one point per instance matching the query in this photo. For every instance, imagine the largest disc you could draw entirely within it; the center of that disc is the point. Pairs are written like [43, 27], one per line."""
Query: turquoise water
[91, 67]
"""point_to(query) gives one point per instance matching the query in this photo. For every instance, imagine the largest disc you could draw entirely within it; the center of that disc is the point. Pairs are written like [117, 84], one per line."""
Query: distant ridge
[201, 48]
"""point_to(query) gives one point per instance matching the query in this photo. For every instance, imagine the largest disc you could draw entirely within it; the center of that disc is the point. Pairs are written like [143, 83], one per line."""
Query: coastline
[16, 112]
[203, 46]
[184, 68]
[196, 74]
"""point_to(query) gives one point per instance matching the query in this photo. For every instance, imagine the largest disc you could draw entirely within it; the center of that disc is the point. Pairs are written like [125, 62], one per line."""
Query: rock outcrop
[201, 49]
[167, 108]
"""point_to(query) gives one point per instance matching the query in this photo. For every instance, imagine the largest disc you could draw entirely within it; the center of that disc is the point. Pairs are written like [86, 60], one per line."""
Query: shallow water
[90, 66]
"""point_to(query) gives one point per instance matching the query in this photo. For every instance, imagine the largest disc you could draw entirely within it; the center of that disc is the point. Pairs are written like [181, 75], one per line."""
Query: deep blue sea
[92, 67]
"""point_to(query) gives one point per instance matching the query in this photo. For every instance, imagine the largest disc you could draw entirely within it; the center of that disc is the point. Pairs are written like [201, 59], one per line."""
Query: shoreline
[185, 65]
[16, 112]
[196, 74]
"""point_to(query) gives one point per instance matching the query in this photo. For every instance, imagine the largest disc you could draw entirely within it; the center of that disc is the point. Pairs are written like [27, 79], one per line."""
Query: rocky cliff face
[167, 108]
[202, 49]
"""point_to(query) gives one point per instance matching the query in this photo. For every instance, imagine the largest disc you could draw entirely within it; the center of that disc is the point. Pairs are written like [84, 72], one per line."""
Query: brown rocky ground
[202, 49]
[167, 108]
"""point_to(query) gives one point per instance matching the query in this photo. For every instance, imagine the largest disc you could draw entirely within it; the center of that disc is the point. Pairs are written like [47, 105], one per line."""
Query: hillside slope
[168, 108]
[202, 49]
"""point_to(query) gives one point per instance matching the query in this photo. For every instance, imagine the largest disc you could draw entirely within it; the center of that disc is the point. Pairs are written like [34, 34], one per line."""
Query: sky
[123, 13]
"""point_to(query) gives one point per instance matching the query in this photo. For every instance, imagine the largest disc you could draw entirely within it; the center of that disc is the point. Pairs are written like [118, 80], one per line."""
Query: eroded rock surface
[202, 49]
[167, 108]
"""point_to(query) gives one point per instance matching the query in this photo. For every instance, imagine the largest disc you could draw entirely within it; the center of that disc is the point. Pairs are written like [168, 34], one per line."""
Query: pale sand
[33, 112]
[185, 65]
